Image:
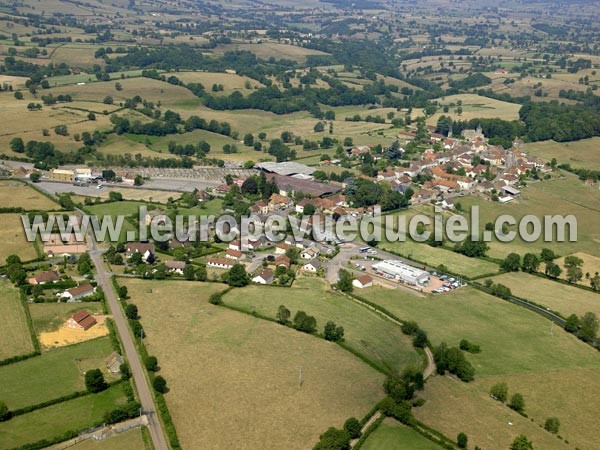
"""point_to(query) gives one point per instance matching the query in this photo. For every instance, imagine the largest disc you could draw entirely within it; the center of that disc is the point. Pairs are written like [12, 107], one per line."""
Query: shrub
[151, 363]
[94, 381]
[500, 392]
[552, 424]
[4, 412]
[160, 384]
[216, 298]
[469, 346]
[131, 311]
[517, 402]
[462, 440]
[353, 428]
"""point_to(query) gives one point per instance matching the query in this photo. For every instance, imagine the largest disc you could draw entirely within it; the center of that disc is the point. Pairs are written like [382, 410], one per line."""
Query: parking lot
[362, 259]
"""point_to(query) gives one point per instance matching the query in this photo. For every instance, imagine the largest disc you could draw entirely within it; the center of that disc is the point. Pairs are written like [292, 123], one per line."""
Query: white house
[175, 266]
[73, 294]
[363, 282]
[265, 277]
[220, 263]
[312, 266]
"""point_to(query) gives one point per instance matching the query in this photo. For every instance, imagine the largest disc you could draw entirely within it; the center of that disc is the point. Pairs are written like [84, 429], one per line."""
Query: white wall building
[402, 272]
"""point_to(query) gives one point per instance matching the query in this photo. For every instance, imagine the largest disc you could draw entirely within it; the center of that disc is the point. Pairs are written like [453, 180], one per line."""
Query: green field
[435, 256]
[391, 435]
[228, 365]
[54, 421]
[517, 346]
[13, 239]
[15, 338]
[559, 297]
[125, 207]
[559, 196]
[580, 154]
[53, 374]
[366, 332]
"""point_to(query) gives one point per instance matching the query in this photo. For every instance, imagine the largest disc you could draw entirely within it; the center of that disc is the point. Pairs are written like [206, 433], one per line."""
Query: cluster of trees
[334, 439]
[199, 150]
[472, 248]
[584, 327]
[500, 132]
[471, 81]
[198, 123]
[301, 321]
[362, 192]
[561, 122]
[453, 360]
[411, 328]
[497, 289]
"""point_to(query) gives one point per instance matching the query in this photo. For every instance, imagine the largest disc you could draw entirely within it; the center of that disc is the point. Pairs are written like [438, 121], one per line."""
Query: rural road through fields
[102, 277]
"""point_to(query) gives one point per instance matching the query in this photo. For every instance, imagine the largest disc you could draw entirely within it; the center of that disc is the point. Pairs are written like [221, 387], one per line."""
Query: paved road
[154, 425]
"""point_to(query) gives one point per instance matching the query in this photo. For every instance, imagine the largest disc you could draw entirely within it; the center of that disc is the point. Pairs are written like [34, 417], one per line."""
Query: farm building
[81, 320]
[288, 186]
[363, 282]
[285, 168]
[402, 272]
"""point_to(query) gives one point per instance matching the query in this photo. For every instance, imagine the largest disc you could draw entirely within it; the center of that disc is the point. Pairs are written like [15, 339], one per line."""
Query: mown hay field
[15, 338]
[14, 194]
[565, 299]
[14, 242]
[221, 364]
[366, 332]
[518, 347]
[580, 154]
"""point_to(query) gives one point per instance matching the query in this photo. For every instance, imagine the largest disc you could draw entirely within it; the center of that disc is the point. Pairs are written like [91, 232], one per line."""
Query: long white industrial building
[402, 272]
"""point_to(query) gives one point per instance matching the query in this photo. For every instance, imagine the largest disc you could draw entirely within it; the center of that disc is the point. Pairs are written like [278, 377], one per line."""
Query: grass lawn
[565, 299]
[125, 207]
[53, 421]
[14, 334]
[14, 194]
[50, 316]
[211, 207]
[580, 154]
[366, 332]
[392, 435]
[53, 374]
[434, 256]
[517, 347]
[234, 378]
[453, 407]
[13, 239]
